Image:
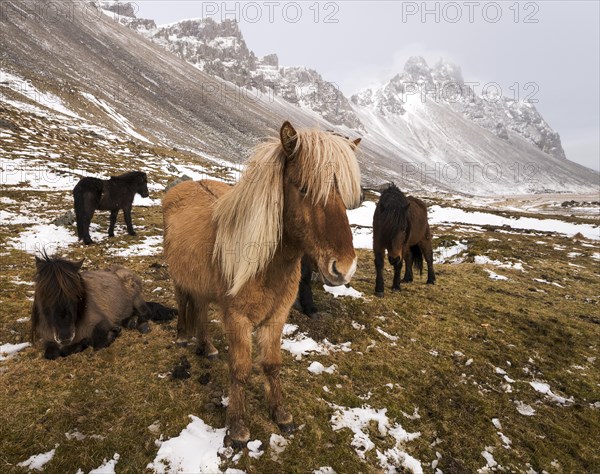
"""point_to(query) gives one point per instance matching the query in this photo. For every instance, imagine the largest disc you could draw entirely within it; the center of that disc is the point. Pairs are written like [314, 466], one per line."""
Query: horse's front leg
[268, 338]
[51, 350]
[75, 348]
[379, 262]
[397, 264]
[239, 336]
[104, 334]
[113, 220]
[127, 213]
[143, 314]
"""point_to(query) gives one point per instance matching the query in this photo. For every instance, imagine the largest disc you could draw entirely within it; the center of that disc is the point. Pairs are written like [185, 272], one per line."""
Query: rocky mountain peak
[417, 70]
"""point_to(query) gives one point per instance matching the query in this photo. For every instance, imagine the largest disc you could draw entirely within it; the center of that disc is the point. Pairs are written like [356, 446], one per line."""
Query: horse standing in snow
[107, 195]
[400, 226]
[73, 310]
[241, 247]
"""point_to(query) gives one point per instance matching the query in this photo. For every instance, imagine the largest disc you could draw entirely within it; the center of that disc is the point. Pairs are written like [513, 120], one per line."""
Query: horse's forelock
[327, 161]
[58, 280]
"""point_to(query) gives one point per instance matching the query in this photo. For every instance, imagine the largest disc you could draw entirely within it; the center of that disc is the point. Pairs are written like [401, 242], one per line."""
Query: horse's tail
[417, 258]
[79, 204]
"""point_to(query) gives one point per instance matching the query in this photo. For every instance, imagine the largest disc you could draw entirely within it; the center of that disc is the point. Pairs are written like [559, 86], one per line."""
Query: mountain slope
[110, 76]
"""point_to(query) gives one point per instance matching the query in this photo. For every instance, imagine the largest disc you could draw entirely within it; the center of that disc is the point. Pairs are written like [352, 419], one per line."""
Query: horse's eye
[303, 190]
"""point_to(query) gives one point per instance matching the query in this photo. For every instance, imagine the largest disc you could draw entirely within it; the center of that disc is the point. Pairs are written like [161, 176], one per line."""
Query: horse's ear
[356, 142]
[289, 138]
[79, 264]
[38, 262]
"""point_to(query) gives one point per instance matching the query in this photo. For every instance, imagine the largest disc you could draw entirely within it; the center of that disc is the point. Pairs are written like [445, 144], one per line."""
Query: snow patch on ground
[385, 334]
[44, 238]
[544, 388]
[9, 350]
[38, 461]
[342, 291]
[358, 420]
[494, 275]
[277, 444]
[524, 409]
[107, 467]
[318, 368]
[484, 260]
[151, 245]
[301, 345]
[196, 449]
[452, 215]
[449, 254]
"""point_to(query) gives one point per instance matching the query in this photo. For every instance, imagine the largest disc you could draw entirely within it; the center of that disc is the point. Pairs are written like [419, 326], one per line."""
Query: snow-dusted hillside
[115, 78]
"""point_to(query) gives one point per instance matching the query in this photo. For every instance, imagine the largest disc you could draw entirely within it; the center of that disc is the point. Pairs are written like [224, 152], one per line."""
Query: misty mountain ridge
[195, 85]
[220, 49]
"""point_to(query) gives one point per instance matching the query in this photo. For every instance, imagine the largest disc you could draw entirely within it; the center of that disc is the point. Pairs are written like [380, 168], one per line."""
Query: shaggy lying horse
[111, 195]
[73, 310]
[241, 247]
[400, 226]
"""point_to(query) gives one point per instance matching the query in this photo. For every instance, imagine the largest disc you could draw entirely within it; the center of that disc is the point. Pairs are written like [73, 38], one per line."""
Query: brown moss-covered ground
[531, 330]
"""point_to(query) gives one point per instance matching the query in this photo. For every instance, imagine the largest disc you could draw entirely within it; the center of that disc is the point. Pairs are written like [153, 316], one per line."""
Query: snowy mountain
[219, 49]
[222, 99]
[443, 83]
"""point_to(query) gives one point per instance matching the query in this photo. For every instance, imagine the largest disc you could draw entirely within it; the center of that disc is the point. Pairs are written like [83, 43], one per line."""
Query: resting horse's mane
[57, 280]
[249, 217]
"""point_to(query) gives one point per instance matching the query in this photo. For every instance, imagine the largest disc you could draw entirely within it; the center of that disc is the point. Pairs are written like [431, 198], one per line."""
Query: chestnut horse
[241, 247]
[400, 226]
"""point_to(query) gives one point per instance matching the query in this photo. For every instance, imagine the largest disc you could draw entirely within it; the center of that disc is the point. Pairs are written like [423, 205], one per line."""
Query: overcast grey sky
[357, 44]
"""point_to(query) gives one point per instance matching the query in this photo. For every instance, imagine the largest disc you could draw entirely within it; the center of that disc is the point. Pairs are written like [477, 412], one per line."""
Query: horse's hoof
[209, 351]
[111, 235]
[144, 327]
[287, 428]
[379, 294]
[431, 282]
[238, 436]
[395, 290]
[132, 233]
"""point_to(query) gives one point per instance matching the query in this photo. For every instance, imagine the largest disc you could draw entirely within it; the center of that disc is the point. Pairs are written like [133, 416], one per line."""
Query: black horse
[107, 195]
[400, 226]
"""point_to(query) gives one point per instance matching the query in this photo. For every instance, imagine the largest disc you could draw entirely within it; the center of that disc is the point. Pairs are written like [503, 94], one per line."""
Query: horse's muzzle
[338, 273]
[64, 341]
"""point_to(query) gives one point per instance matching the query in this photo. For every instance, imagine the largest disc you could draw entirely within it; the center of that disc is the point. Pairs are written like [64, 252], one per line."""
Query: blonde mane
[249, 217]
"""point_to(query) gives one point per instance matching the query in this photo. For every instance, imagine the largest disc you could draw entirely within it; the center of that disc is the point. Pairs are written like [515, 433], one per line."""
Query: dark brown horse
[241, 247]
[73, 310]
[400, 226]
[107, 195]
